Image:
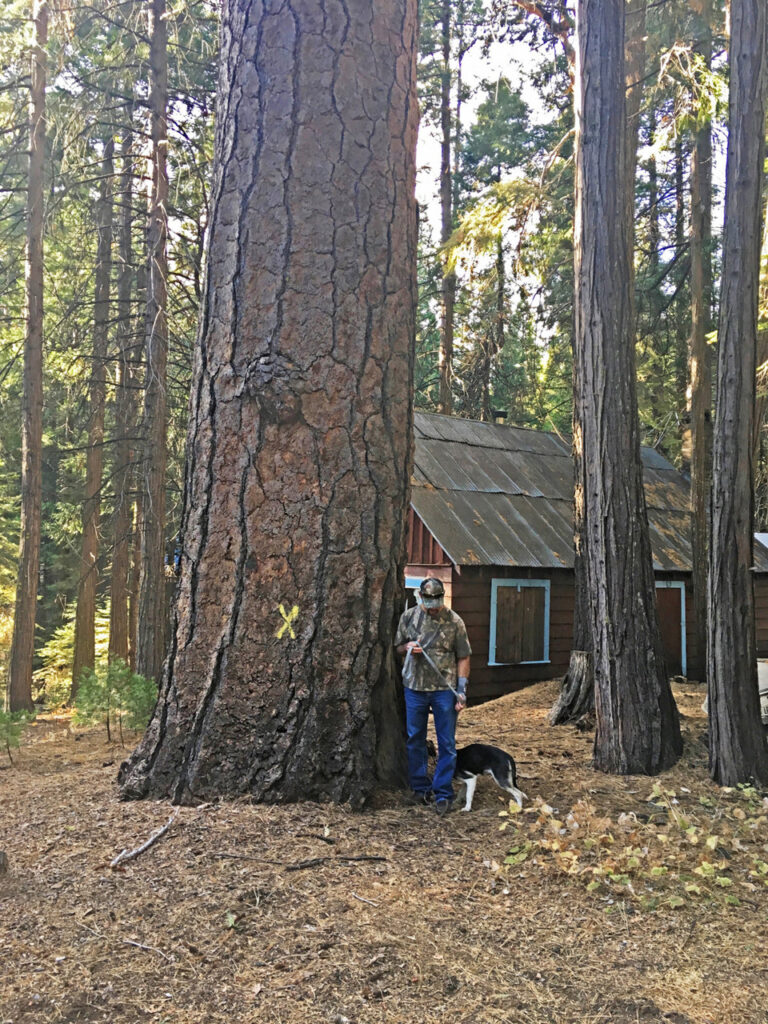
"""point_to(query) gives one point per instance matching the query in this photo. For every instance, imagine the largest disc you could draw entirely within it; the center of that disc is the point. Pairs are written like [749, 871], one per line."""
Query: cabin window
[412, 584]
[519, 622]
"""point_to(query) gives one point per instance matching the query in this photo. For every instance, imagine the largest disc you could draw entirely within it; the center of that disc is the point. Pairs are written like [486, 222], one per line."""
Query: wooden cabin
[491, 516]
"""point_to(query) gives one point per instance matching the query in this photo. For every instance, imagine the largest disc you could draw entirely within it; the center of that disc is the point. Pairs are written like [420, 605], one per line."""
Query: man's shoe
[420, 799]
[442, 807]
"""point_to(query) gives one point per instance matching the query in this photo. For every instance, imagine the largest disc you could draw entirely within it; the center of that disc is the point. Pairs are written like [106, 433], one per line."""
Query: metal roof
[499, 495]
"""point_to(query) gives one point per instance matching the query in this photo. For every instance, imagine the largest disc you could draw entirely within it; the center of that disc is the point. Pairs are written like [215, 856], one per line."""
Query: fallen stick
[313, 863]
[131, 854]
[149, 949]
[315, 835]
[362, 899]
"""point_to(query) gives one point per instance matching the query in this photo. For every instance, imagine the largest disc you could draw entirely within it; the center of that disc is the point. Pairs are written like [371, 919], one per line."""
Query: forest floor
[606, 901]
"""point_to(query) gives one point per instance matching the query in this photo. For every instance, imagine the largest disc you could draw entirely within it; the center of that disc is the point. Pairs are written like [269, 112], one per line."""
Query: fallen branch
[315, 835]
[131, 854]
[313, 863]
[364, 900]
[149, 949]
[364, 857]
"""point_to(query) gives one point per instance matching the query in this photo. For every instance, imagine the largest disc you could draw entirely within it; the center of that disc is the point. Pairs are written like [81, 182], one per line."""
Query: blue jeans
[442, 704]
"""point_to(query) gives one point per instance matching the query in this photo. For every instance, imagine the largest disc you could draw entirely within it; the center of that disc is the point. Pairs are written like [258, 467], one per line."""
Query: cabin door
[670, 602]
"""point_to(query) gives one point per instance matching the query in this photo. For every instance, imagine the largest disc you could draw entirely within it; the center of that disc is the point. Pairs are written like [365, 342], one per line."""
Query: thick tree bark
[637, 725]
[576, 697]
[761, 399]
[448, 284]
[23, 640]
[737, 746]
[125, 413]
[85, 611]
[280, 680]
[153, 607]
[700, 366]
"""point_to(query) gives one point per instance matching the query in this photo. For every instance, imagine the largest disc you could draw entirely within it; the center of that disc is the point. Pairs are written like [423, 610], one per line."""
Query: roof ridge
[485, 423]
[565, 439]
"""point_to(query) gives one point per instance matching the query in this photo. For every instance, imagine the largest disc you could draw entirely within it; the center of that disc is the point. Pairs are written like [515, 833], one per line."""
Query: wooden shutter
[520, 624]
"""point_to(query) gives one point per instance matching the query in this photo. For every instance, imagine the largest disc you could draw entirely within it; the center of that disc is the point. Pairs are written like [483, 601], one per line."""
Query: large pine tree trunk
[153, 607]
[280, 680]
[23, 640]
[637, 724]
[737, 746]
[125, 413]
[700, 366]
[85, 612]
[448, 285]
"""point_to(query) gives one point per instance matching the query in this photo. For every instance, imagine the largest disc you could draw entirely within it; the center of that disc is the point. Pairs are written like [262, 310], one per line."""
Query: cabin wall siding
[468, 592]
[471, 599]
[760, 584]
[421, 547]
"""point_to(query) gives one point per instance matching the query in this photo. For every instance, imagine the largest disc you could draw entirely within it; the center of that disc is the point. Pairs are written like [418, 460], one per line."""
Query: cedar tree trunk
[280, 680]
[23, 640]
[637, 725]
[125, 412]
[153, 609]
[577, 697]
[737, 746]
[700, 371]
[85, 612]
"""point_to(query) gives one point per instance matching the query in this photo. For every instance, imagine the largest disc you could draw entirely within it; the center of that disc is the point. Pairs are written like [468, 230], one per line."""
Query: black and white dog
[481, 759]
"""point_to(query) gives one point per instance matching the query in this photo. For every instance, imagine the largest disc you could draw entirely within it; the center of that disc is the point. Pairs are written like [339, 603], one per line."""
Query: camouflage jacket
[445, 641]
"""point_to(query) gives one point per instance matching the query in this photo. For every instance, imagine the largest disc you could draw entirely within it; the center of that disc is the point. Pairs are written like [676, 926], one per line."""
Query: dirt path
[311, 913]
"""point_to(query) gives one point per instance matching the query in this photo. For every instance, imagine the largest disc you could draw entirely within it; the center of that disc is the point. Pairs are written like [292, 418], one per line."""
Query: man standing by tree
[433, 640]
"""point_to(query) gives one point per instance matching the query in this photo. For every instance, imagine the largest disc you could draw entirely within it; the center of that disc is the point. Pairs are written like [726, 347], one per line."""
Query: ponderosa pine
[280, 680]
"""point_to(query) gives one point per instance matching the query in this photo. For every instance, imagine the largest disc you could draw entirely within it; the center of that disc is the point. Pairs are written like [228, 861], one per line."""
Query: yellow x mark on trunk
[288, 618]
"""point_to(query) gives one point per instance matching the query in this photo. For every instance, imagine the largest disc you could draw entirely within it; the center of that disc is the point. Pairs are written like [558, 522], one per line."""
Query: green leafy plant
[116, 696]
[12, 725]
[53, 680]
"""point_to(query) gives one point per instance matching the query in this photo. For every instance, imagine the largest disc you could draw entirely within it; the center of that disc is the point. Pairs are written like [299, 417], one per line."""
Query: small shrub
[52, 682]
[115, 696]
[12, 725]
[137, 695]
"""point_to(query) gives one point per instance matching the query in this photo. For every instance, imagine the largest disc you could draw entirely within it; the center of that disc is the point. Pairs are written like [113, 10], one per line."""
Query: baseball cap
[432, 592]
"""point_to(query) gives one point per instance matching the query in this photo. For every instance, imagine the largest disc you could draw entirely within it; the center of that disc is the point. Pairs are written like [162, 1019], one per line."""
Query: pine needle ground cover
[606, 901]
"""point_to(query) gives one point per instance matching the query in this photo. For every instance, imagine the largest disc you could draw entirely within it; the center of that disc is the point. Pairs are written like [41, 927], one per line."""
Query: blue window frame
[519, 622]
